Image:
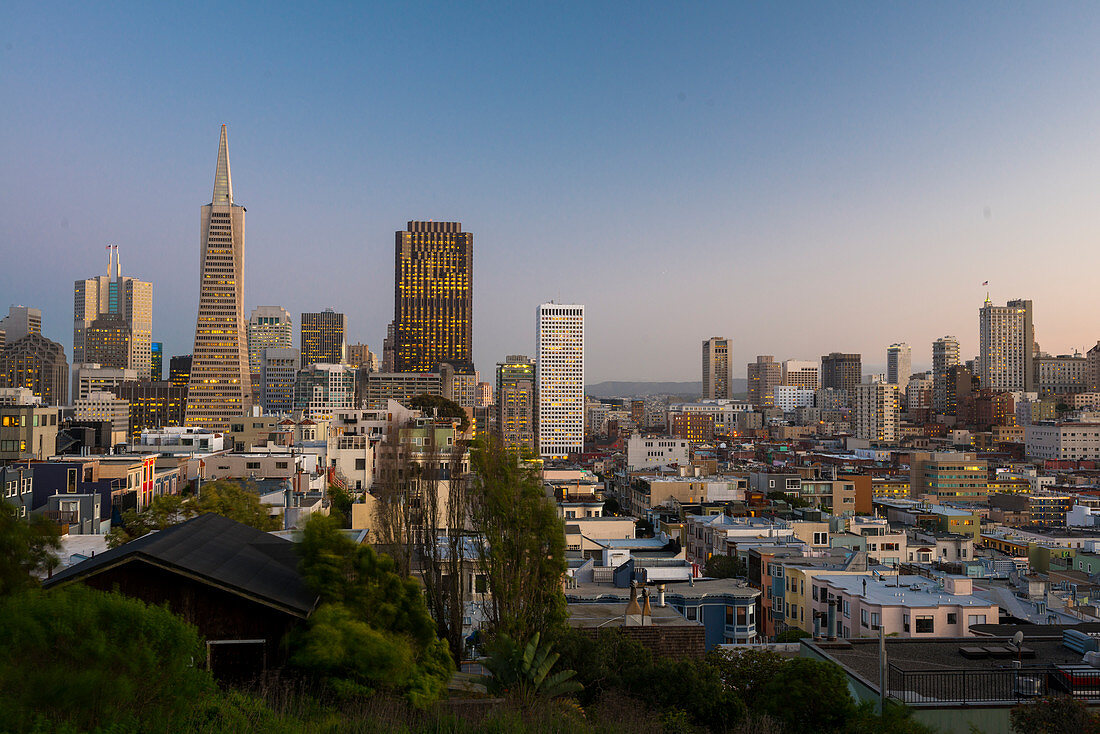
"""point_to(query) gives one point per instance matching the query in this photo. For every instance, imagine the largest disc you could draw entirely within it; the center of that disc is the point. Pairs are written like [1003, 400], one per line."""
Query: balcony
[995, 685]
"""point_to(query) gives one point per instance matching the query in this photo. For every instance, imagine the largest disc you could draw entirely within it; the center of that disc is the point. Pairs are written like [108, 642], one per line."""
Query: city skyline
[795, 172]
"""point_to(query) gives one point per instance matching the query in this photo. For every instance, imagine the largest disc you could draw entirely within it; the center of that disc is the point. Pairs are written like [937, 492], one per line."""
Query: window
[729, 616]
[821, 538]
[252, 465]
[876, 620]
[864, 618]
[847, 609]
[973, 619]
[691, 612]
[905, 622]
[481, 584]
[925, 624]
[813, 591]
[281, 465]
[952, 618]
[742, 616]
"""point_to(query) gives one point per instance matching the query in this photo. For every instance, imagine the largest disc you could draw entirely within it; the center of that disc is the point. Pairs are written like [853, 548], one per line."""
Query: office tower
[948, 476]
[515, 402]
[90, 377]
[376, 389]
[322, 340]
[717, 368]
[108, 341]
[278, 373]
[153, 404]
[3, 338]
[387, 349]
[361, 357]
[876, 412]
[20, 321]
[110, 299]
[945, 355]
[763, 375]
[39, 364]
[322, 388]
[460, 387]
[1006, 349]
[179, 370]
[1092, 368]
[800, 374]
[960, 388]
[484, 394]
[221, 384]
[899, 365]
[559, 389]
[156, 371]
[842, 371]
[268, 326]
[433, 297]
[1064, 374]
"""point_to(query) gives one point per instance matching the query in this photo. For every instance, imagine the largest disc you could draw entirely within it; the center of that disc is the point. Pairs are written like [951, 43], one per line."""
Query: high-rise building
[221, 383]
[91, 377]
[484, 394]
[560, 379]
[268, 326]
[717, 367]
[108, 341]
[388, 349]
[763, 375]
[800, 374]
[433, 297]
[945, 355]
[1092, 368]
[876, 412]
[515, 404]
[115, 300]
[899, 365]
[361, 357]
[321, 389]
[20, 321]
[278, 374]
[460, 387]
[376, 389]
[842, 371]
[39, 364]
[323, 339]
[1007, 346]
[1065, 374]
[153, 404]
[179, 370]
[156, 371]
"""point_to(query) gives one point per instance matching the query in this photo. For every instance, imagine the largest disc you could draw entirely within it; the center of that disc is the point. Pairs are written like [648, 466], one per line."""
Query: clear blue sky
[802, 178]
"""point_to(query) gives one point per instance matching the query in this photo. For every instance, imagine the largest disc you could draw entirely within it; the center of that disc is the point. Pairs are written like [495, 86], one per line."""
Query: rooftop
[904, 590]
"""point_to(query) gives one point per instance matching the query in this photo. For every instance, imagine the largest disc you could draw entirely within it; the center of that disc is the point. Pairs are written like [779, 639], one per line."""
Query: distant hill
[622, 389]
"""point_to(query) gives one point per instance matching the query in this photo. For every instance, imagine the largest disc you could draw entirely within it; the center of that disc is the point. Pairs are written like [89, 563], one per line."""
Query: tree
[746, 671]
[1054, 715]
[724, 567]
[791, 635]
[81, 659]
[524, 671]
[371, 630]
[521, 546]
[441, 407]
[28, 548]
[340, 505]
[821, 690]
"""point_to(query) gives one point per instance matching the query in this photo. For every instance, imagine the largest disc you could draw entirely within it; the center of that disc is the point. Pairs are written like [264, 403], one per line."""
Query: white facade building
[899, 365]
[650, 452]
[802, 374]
[100, 405]
[876, 412]
[322, 389]
[90, 377]
[269, 327]
[1073, 441]
[789, 398]
[1006, 355]
[560, 379]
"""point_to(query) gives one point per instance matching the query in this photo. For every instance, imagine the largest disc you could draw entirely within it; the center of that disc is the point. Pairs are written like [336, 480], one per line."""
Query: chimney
[633, 617]
[660, 595]
[647, 611]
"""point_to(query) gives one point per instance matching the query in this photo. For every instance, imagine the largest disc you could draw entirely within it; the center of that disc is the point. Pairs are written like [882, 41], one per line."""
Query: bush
[83, 658]
[808, 696]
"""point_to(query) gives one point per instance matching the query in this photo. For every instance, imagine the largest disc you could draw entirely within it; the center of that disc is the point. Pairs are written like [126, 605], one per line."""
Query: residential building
[789, 398]
[20, 321]
[268, 327]
[376, 389]
[876, 414]
[1007, 346]
[842, 371]
[763, 375]
[948, 476]
[945, 356]
[1092, 367]
[220, 384]
[39, 364]
[693, 427]
[322, 340]
[1065, 374]
[113, 319]
[179, 370]
[321, 389]
[717, 367]
[515, 402]
[651, 452]
[152, 404]
[277, 376]
[899, 365]
[433, 297]
[459, 386]
[27, 432]
[800, 374]
[559, 388]
[919, 393]
[362, 358]
[1060, 440]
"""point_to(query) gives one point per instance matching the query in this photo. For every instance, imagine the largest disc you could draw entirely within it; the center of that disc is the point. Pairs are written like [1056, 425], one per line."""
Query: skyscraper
[156, 371]
[1007, 344]
[560, 379]
[220, 386]
[763, 375]
[876, 412]
[515, 403]
[39, 364]
[800, 374]
[843, 371]
[899, 365]
[278, 374]
[179, 370]
[20, 321]
[323, 340]
[433, 297]
[268, 327]
[945, 355]
[717, 367]
[113, 299]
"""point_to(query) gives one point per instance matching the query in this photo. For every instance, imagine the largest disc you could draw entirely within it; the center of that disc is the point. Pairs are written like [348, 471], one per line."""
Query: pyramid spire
[223, 181]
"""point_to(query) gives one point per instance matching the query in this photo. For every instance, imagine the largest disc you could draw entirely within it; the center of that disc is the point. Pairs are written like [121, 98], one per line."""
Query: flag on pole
[985, 283]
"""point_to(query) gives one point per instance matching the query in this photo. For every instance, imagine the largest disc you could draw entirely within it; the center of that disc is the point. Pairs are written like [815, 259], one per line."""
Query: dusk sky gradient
[802, 177]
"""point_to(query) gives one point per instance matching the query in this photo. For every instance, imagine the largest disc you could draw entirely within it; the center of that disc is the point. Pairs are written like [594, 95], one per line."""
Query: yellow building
[890, 488]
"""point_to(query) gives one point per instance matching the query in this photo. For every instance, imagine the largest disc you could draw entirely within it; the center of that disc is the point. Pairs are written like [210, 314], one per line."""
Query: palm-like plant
[525, 672]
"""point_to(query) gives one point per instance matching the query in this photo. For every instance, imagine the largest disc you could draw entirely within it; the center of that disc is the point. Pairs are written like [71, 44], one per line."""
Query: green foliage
[895, 719]
[1054, 715]
[27, 547]
[222, 497]
[524, 672]
[523, 553]
[372, 629]
[82, 658]
[791, 635]
[724, 567]
[793, 501]
[820, 690]
[340, 500]
[745, 672]
[443, 408]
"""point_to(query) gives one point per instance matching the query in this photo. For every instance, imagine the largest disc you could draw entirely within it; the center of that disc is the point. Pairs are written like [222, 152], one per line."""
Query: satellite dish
[1018, 639]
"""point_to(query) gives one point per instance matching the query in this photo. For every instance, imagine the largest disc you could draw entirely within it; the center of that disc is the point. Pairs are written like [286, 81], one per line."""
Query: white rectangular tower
[560, 379]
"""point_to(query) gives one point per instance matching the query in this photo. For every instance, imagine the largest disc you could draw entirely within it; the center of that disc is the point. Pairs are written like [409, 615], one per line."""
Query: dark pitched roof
[220, 551]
